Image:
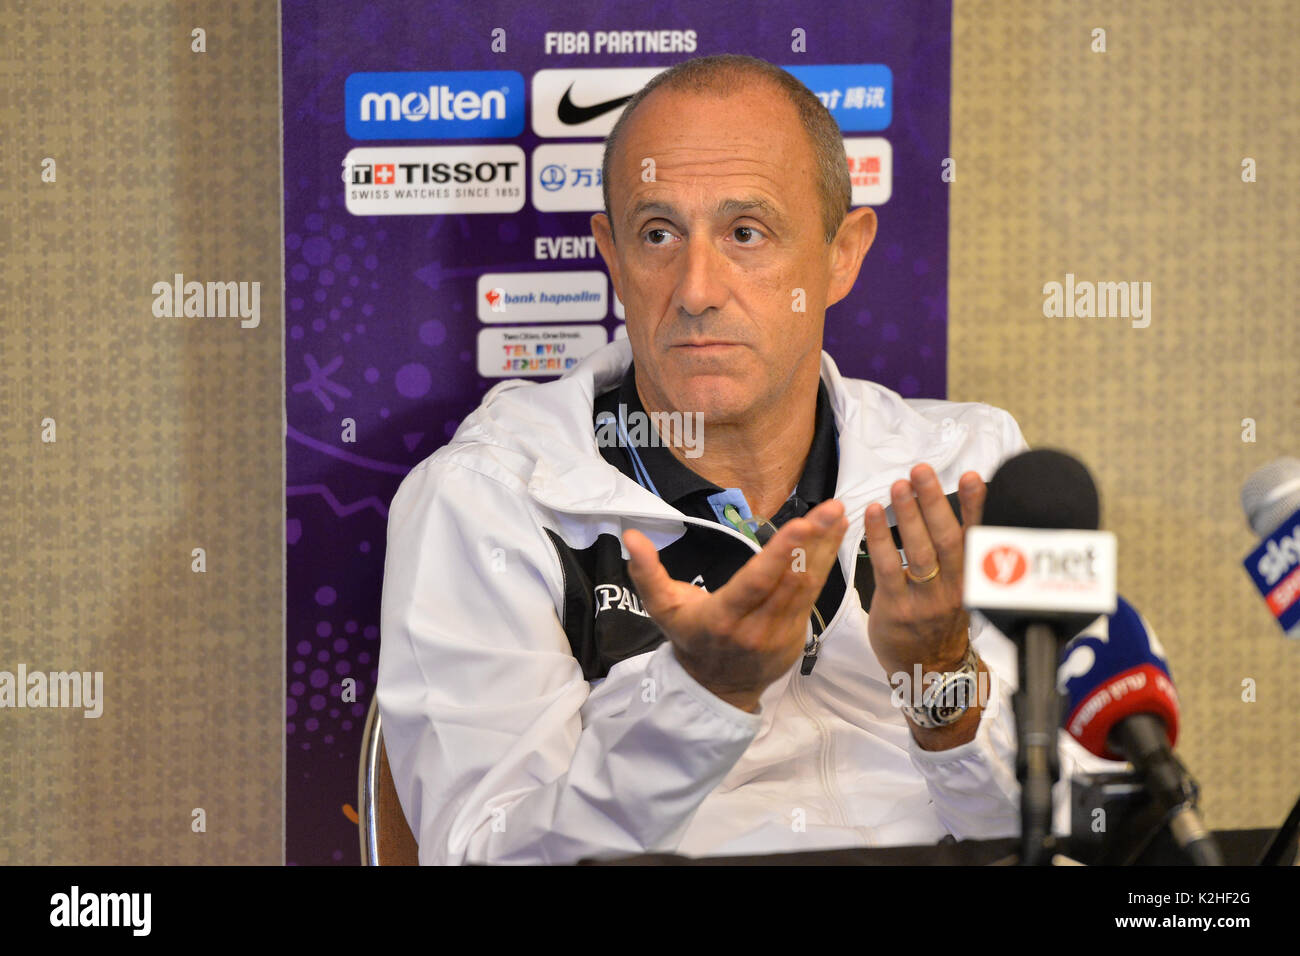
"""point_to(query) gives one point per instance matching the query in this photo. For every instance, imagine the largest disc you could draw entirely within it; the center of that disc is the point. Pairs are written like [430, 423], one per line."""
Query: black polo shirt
[653, 466]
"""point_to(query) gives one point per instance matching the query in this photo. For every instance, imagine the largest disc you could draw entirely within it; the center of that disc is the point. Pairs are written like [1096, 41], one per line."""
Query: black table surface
[1239, 847]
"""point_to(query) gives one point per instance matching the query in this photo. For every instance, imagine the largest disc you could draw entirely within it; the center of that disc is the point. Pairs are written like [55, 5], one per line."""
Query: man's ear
[848, 249]
[600, 229]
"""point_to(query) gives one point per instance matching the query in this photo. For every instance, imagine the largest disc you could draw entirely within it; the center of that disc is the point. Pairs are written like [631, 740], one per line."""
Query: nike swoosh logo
[572, 115]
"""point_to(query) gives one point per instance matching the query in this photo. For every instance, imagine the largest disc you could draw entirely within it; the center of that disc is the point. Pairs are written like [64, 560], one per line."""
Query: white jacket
[503, 752]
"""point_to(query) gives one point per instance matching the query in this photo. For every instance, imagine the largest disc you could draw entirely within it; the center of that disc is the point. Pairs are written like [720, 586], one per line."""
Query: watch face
[946, 715]
[947, 700]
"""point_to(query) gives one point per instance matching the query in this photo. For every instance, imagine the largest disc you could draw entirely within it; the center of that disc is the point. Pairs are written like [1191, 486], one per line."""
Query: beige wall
[1126, 165]
[168, 433]
[1115, 166]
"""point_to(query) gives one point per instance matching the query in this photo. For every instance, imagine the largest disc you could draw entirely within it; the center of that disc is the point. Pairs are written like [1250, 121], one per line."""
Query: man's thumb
[646, 570]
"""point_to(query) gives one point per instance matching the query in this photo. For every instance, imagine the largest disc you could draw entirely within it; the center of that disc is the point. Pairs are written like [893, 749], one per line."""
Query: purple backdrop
[381, 319]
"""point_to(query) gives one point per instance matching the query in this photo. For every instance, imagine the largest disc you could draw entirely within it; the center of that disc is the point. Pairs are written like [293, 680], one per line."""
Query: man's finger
[807, 573]
[944, 529]
[822, 548]
[825, 550]
[758, 577]
[921, 556]
[886, 565]
[972, 493]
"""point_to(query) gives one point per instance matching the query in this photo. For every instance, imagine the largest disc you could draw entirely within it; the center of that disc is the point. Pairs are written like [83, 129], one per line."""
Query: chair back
[386, 839]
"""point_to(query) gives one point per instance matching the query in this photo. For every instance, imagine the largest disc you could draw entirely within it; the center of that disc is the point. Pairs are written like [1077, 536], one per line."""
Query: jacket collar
[881, 438]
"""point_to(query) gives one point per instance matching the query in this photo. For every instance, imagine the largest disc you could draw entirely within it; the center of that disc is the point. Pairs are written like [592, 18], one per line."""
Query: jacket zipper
[824, 771]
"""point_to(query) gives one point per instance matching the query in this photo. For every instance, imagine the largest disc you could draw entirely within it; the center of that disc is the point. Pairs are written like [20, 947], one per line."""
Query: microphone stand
[1037, 705]
[1141, 739]
[1283, 845]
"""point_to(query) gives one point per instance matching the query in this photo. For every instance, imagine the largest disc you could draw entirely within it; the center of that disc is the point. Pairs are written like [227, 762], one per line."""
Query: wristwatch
[948, 698]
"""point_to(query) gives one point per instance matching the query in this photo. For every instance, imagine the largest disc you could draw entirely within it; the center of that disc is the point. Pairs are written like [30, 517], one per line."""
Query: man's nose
[702, 284]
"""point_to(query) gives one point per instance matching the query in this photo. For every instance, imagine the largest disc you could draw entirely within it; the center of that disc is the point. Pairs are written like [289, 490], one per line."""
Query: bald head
[728, 74]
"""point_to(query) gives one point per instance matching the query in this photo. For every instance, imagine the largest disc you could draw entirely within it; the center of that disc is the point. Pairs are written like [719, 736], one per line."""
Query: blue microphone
[1111, 670]
[1271, 500]
[1122, 705]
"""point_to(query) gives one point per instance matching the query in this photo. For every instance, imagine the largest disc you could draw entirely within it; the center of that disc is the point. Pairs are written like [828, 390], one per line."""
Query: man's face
[718, 253]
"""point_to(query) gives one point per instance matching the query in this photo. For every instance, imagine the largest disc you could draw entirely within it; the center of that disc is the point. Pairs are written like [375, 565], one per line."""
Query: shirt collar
[675, 482]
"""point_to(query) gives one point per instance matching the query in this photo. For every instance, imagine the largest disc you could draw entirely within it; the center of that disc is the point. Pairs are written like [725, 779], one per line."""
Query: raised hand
[916, 615]
[739, 639]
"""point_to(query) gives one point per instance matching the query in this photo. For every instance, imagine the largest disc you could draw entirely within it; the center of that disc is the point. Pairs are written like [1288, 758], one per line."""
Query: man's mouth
[706, 344]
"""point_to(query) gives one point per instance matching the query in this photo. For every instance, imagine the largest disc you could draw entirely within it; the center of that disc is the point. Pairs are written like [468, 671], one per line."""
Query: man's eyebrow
[732, 207]
[727, 207]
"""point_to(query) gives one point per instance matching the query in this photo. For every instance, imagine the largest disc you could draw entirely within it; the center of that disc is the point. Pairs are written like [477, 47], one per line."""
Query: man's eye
[652, 232]
[746, 233]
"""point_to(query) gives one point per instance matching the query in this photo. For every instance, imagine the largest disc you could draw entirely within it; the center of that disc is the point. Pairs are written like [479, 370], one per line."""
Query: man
[594, 645]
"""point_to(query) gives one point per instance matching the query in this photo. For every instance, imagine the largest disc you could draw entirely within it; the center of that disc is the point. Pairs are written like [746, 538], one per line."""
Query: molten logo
[1005, 565]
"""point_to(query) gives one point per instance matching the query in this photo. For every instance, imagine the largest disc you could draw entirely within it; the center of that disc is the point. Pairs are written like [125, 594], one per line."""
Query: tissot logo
[434, 180]
[465, 104]
[1005, 565]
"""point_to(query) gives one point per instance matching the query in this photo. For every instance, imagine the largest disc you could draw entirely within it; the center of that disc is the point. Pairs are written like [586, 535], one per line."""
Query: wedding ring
[921, 580]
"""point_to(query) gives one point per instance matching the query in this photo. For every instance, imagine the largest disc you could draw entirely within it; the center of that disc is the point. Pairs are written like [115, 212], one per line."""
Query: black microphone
[1040, 571]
